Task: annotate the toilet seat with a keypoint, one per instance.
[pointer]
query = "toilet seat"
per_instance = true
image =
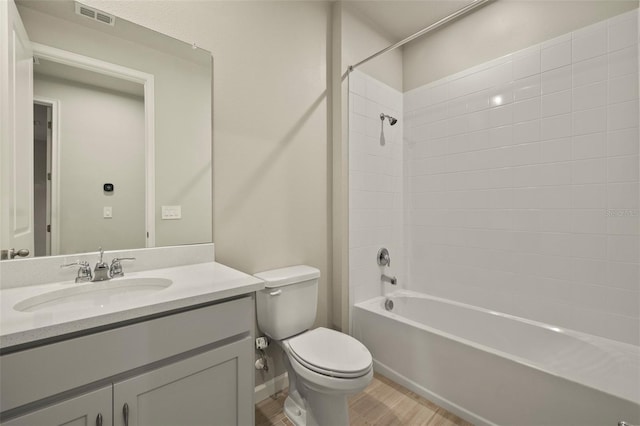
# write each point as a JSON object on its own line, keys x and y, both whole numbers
{"x": 330, "y": 353}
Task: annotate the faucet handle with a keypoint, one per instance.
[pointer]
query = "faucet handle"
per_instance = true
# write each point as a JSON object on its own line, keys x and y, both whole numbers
{"x": 383, "y": 257}
{"x": 116, "y": 267}
{"x": 77, "y": 262}
{"x": 84, "y": 272}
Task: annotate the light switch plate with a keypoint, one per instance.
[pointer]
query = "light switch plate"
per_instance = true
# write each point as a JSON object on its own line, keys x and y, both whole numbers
{"x": 171, "y": 212}
{"x": 107, "y": 212}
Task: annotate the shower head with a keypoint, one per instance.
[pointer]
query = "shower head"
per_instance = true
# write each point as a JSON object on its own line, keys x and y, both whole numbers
{"x": 392, "y": 120}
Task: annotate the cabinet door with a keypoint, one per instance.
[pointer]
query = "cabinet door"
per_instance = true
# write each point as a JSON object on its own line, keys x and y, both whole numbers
{"x": 212, "y": 388}
{"x": 91, "y": 409}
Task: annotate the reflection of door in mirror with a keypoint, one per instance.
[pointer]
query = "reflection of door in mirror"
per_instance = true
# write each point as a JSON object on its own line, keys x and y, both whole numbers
{"x": 16, "y": 171}
{"x": 42, "y": 141}
{"x": 100, "y": 140}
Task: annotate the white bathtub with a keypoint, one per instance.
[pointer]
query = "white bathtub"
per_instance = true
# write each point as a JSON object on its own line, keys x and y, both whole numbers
{"x": 493, "y": 368}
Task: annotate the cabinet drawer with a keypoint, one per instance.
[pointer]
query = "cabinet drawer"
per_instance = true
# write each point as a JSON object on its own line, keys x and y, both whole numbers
{"x": 41, "y": 372}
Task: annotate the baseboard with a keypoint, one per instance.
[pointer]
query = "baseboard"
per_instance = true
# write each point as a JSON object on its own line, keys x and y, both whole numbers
{"x": 431, "y": 396}
{"x": 270, "y": 387}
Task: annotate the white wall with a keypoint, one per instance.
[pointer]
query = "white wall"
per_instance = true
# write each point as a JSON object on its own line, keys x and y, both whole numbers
{"x": 361, "y": 39}
{"x": 376, "y": 217}
{"x": 101, "y": 141}
{"x": 271, "y": 133}
{"x": 523, "y": 182}
{"x": 497, "y": 29}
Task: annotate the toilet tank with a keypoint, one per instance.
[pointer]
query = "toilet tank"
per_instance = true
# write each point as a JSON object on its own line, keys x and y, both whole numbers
{"x": 287, "y": 305}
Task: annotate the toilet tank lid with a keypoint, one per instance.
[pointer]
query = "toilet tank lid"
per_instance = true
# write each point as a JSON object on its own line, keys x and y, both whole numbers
{"x": 289, "y": 275}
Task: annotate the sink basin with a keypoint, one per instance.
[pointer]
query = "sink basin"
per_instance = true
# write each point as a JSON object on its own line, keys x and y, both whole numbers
{"x": 93, "y": 295}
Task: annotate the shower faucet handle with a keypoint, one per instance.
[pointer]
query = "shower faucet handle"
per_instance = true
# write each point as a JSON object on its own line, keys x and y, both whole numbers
{"x": 383, "y": 257}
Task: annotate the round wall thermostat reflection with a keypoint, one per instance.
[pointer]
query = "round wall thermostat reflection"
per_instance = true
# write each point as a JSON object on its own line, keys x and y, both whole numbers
{"x": 108, "y": 187}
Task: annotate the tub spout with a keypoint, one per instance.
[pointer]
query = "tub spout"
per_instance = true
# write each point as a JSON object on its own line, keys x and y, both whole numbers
{"x": 390, "y": 280}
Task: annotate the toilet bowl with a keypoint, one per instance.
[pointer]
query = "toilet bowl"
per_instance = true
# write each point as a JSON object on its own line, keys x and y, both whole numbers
{"x": 324, "y": 366}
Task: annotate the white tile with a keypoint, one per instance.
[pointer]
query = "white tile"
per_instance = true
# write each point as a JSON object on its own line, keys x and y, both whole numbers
{"x": 623, "y": 89}
{"x": 556, "y": 150}
{"x": 622, "y": 62}
{"x": 623, "y": 196}
{"x": 591, "y": 246}
{"x": 456, "y": 107}
{"x": 622, "y": 115}
{"x": 590, "y": 96}
{"x": 526, "y": 65}
{"x": 590, "y": 71}
{"x": 555, "y": 127}
{"x": 592, "y": 221}
{"x": 589, "y": 171}
{"x": 526, "y": 110}
{"x": 501, "y": 136}
{"x": 556, "y": 80}
{"x": 526, "y": 132}
{"x": 555, "y": 104}
{"x": 526, "y": 176}
{"x": 478, "y": 101}
{"x": 589, "y": 271}
{"x": 526, "y": 88}
{"x": 499, "y": 74}
{"x": 623, "y": 248}
{"x": 623, "y": 275}
{"x": 457, "y": 125}
{"x": 592, "y": 196}
{"x": 589, "y": 44}
{"x": 555, "y": 220}
{"x": 500, "y": 95}
{"x": 556, "y": 56}
{"x": 479, "y": 121}
{"x": 626, "y": 223}
{"x": 623, "y": 142}
{"x": 623, "y": 33}
{"x": 555, "y": 174}
{"x": 501, "y": 116}
{"x": 357, "y": 83}
{"x": 589, "y": 121}
{"x": 554, "y": 197}
{"x": 592, "y": 145}
{"x": 623, "y": 169}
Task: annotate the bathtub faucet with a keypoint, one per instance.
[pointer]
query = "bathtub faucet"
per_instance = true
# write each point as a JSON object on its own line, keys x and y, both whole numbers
{"x": 388, "y": 279}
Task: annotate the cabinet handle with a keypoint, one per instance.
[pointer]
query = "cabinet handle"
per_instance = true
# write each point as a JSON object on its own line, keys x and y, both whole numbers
{"x": 99, "y": 420}
{"x": 125, "y": 414}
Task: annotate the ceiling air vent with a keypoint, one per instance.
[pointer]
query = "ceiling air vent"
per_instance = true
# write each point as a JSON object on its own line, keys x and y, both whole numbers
{"x": 94, "y": 14}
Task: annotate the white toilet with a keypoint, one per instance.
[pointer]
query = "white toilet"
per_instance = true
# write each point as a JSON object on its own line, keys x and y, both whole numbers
{"x": 324, "y": 366}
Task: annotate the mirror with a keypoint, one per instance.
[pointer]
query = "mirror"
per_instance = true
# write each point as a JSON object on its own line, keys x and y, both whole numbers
{"x": 129, "y": 148}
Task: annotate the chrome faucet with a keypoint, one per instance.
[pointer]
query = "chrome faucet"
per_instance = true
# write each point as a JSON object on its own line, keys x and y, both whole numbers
{"x": 388, "y": 279}
{"x": 101, "y": 271}
{"x": 384, "y": 259}
{"x": 116, "y": 267}
{"x": 84, "y": 272}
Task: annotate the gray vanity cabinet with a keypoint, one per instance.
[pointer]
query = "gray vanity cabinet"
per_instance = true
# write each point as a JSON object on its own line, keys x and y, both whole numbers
{"x": 93, "y": 408}
{"x": 202, "y": 390}
{"x": 189, "y": 368}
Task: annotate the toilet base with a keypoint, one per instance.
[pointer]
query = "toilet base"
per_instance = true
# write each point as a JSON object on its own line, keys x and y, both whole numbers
{"x": 296, "y": 414}
{"x": 328, "y": 410}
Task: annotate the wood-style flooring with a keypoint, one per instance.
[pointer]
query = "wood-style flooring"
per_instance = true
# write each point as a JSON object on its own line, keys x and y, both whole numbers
{"x": 382, "y": 403}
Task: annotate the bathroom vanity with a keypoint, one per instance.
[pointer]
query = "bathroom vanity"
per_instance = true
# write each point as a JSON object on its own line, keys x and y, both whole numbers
{"x": 180, "y": 355}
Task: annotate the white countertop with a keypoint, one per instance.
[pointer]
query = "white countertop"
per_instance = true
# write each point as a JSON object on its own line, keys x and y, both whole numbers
{"x": 192, "y": 285}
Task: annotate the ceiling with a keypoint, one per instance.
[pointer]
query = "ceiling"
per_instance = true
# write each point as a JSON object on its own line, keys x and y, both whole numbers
{"x": 399, "y": 19}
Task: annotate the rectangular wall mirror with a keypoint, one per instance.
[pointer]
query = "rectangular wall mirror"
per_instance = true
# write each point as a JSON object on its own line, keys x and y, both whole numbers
{"x": 121, "y": 136}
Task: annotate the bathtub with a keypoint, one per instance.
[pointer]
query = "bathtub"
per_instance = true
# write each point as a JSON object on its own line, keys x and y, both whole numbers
{"x": 492, "y": 368}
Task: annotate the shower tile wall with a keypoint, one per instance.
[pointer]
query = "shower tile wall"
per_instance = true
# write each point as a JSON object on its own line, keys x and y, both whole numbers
{"x": 375, "y": 185}
{"x": 523, "y": 182}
